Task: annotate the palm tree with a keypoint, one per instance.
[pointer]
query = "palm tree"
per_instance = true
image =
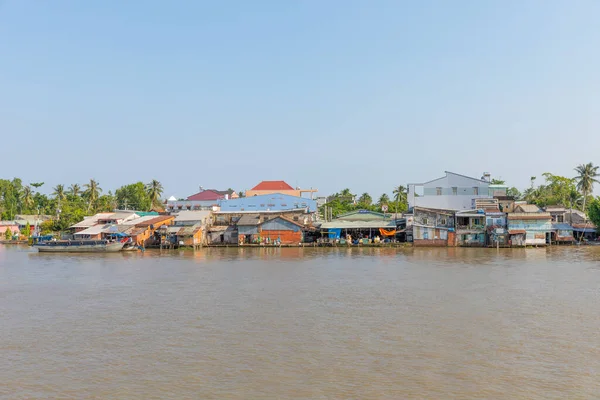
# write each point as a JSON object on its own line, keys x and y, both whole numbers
{"x": 59, "y": 192}
{"x": 74, "y": 189}
{"x": 383, "y": 200}
{"x": 155, "y": 190}
{"x": 92, "y": 192}
{"x": 365, "y": 199}
{"x": 346, "y": 195}
{"x": 27, "y": 197}
{"x": 586, "y": 179}
{"x": 400, "y": 196}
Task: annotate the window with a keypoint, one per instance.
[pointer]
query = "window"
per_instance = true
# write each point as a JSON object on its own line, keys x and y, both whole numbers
{"x": 560, "y": 218}
{"x": 443, "y": 221}
{"x": 476, "y": 191}
{"x": 296, "y": 218}
{"x": 424, "y": 221}
{"x": 438, "y": 191}
{"x": 454, "y": 191}
{"x": 476, "y": 221}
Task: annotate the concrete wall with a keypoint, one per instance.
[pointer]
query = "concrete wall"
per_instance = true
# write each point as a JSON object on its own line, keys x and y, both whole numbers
{"x": 462, "y": 200}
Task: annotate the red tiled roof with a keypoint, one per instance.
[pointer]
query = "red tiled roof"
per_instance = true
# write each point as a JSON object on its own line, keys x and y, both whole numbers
{"x": 517, "y": 232}
{"x": 272, "y": 185}
{"x": 206, "y": 195}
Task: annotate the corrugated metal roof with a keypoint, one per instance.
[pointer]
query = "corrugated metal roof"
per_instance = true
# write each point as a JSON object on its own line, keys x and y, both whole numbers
{"x": 206, "y": 195}
{"x": 94, "y": 230}
{"x": 155, "y": 220}
{"x": 249, "y": 219}
{"x": 185, "y": 216}
{"x": 218, "y": 228}
{"x": 137, "y": 221}
{"x": 528, "y": 208}
{"x": 531, "y": 215}
{"x": 188, "y": 231}
{"x": 357, "y": 224}
{"x": 284, "y": 219}
{"x": 90, "y": 221}
{"x": 561, "y": 226}
{"x": 121, "y": 215}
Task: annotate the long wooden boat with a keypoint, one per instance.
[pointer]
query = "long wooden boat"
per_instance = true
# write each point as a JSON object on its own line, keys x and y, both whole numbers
{"x": 78, "y": 246}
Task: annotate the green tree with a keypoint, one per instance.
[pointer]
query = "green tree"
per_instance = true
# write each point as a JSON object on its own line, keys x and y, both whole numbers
{"x": 155, "y": 190}
{"x": 498, "y": 182}
{"x": 27, "y": 198}
{"x": 74, "y": 190}
{"x": 107, "y": 202}
{"x": 594, "y": 211}
{"x": 8, "y": 234}
{"x": 587, "y": 175}
{"x": 365, "y": 200}
{"x": 59, "y": 193}
{"x": 92, "y": 192}
{"x": 514, "y": 192}
{"x": 27, "y": 230}
{"x": 133, "y": 196}
{"x": 400, "y": 198}
{"x": 383, "y": 200}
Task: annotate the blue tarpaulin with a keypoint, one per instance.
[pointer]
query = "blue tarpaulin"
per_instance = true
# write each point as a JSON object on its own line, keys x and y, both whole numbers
{"x": 334, "y": 233}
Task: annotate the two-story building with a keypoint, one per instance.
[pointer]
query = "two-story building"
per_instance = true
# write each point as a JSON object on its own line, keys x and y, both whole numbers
{"x": 451, "y": 192}
{"x": 433, "y": 227}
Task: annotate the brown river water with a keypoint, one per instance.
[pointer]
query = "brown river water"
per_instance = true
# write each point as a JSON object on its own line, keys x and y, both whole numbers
{"x": 301, "y": 324}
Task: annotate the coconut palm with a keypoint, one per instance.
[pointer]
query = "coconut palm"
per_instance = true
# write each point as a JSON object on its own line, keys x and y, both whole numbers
{"x": 400, "y": 196}
{"x": 365, "y": 199}
{"x": 27, "y": 197}
{"x": 75, "y": 189}
{"x": 383, "y": 199}
{"x": 155, "y": 190}
{"x": 587, "y": 176}
{"x": 59, "y": 192}
{"x": 92, "y": 192}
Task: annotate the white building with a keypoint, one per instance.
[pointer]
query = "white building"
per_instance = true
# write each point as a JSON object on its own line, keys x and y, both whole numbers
{"x": 452, "y": 192}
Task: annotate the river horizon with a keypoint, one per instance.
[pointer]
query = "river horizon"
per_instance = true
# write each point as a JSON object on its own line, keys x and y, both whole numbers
{"x": 301, "y": 323}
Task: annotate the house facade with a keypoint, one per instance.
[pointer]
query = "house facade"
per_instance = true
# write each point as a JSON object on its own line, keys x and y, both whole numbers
{"x": 281, "y": 230}
{"x": 471, "y": 228}
{"x": 529, "y": 228}
{"x": 433, "y": 227}
{"x": 450, "y": 192}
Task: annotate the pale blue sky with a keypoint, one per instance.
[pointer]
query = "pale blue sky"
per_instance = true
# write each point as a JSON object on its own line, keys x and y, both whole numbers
{"x": 328, "y": 94}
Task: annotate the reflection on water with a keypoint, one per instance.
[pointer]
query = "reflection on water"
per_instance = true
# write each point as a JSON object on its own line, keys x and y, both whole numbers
{"x": 301, "y": 323}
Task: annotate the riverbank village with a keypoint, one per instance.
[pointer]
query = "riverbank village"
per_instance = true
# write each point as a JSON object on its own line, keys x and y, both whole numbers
{"x": 453, "y": 210}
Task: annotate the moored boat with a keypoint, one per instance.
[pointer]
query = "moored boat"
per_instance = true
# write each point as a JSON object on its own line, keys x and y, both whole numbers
{"x": 78, "y": 246}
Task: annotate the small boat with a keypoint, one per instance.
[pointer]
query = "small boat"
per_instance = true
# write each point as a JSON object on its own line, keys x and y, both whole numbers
{"x": 78, "y": 246}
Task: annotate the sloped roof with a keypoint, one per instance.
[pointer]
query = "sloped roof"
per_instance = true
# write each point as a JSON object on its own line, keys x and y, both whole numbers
{"x": 94, "y": 230}
{"x": 529, "y": 215}
{"x": 189, "y": 215}
{"x": 272, "y": 185}
{"x": 528, "y": 208}
{"x": 562, "y": 226}
{"x": 155, "y": 220}
{"x": 340, "y": 224}
{"x": 283, "y": 219}
{"x": 249, "y": 219}
{"x": 207, "y": 195}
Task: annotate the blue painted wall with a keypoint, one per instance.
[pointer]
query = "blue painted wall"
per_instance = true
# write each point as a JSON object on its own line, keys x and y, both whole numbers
{"x": 269, "y": 202}
{"x": 279, "y": 224}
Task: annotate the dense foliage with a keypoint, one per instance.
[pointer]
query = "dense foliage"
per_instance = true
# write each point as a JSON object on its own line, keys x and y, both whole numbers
{"x": 69, "y": 206}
